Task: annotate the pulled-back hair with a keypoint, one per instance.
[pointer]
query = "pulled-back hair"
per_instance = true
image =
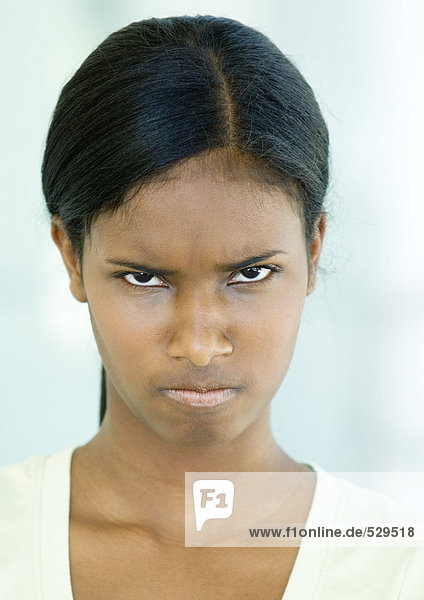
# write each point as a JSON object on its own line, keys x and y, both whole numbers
{"x": 160, "y": 91}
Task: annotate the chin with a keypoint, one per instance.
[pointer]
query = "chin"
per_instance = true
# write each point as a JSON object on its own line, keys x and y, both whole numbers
{"x": 195, "y": 435}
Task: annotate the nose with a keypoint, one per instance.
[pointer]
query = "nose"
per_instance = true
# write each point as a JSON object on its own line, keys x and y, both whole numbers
{"x": 198, "y": 329}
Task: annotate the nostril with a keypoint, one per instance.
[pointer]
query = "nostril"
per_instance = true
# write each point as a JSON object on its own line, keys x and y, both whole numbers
{"x": 199, "y": 348}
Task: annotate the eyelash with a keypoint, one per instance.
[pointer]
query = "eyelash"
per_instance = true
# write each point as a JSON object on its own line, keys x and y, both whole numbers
{"x": 273, "y": 268}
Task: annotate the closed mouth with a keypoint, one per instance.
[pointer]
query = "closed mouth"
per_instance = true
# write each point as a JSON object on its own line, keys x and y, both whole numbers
{"x": 194, "y": 398}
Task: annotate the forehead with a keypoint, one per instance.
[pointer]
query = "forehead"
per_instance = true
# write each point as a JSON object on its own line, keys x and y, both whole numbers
{"x": 198, "y": 209}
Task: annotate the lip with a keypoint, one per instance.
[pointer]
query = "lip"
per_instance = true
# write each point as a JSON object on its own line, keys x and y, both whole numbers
{"x": 210, "y": 398}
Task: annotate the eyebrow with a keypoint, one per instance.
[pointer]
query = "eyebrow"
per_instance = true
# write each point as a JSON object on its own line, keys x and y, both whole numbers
{"x": 221, "y": 268}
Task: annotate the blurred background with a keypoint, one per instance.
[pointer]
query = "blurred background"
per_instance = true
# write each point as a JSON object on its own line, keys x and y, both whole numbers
{"x": 353, "y": 399}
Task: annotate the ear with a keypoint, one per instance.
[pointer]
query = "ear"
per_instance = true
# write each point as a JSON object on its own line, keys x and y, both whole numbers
{"x": 315, "y": 251}
{"x": 62, "y": 241}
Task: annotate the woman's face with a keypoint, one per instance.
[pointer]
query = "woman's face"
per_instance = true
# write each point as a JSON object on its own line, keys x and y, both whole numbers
{"x": 204, "y": 324}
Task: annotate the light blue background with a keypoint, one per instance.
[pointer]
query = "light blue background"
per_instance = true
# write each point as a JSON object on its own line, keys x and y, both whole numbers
{"x": 353, "y": 398}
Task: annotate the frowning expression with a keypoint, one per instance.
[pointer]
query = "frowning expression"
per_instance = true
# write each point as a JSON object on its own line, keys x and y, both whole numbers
{"x": 199, "y": 282}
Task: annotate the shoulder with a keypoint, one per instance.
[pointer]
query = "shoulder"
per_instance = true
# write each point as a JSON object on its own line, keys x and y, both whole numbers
{"x": 27, "y": 488}
{"x": 413, "y": 584}
{"x": 349, "y": 500}
{"x": 20, "y": 489}
{"x": 387, "y": 567}
{"x": 19, "y": 484}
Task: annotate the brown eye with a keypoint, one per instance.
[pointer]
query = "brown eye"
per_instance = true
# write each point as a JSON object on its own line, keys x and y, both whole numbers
{"x": 141, "y": 279}
{"x": 251, "y": 274}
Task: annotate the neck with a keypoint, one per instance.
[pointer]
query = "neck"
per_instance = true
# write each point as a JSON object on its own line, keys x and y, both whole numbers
{"x": 129, "y": 474}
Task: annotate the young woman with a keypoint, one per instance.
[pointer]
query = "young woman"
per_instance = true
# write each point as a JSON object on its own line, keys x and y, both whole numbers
{"x": 185, "y": 171}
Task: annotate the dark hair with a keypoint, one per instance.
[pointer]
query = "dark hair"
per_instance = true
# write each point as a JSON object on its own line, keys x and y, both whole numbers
{"x": 160, "y": 91}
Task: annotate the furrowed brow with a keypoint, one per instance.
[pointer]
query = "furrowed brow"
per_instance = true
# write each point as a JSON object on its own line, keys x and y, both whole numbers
{"x": 249, "y": 261}
{"x": 233, "y": 266}
{"x": 123, "y": 262}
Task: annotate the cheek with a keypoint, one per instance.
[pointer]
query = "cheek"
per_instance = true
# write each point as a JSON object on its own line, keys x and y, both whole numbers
{"x": 124, "y": 330}
{"x": 276, "y": 338}
{"x": 275, "y": 334}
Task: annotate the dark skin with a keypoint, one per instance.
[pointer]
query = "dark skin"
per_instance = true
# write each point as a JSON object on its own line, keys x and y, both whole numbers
{"x": 198, "y": 324}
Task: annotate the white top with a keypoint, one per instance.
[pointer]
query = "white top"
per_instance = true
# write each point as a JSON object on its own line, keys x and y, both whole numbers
{"x": 34, "y": 533}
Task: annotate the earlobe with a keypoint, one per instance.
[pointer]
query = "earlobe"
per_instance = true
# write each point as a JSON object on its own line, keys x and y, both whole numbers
{"x": 315, "y": 250}
{"x": 311, "y": 281}
{"x": 71, "y": 262}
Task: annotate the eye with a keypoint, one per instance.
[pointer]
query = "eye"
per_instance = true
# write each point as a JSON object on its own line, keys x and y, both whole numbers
{"x": 141, "y": 278}
{"x": 250, "y": 273}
